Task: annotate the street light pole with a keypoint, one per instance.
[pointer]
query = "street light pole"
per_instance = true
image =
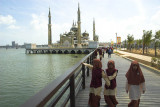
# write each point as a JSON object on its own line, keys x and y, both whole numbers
{"x": 116, "y": 41}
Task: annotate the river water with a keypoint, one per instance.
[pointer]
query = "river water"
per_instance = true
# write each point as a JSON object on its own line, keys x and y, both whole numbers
{"x": 23, "y": 75}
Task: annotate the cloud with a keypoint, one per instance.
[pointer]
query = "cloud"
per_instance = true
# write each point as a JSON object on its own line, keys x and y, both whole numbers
{"x": 13, "y": 27}
{"x": 39, "y": 22}
{"x": 154, "y": 21}
{"x": 139, "y": 6}
{"x": 7, "y": 20}
{"x": 155, "y": 18}
{"x": 106, "y": 28}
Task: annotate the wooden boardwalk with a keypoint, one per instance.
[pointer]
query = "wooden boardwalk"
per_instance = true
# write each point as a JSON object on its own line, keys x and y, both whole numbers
{"x": 150, "y": 99}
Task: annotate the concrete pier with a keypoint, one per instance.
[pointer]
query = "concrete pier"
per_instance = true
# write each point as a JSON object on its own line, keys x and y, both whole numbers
{"x": 59, "y": 50}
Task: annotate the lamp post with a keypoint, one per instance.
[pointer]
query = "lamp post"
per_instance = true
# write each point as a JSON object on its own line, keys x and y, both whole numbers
{"x": 116, "y": 42}
{"x": 111, "y": 43}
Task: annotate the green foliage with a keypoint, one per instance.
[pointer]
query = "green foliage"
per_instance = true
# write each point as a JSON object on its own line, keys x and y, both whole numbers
{"x": 130, "y": 40}
{"x": 125, "y": 43}
{"x": 153, "y": 61}
{"x": 158, "y": 63}
{"x": 140, "y": 41}
{"x": 157, "y": 36}
{"x": 147, "y": 35}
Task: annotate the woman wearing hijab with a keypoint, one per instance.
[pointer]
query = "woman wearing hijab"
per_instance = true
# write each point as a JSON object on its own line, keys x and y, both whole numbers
{"x": 135, "y": 84}
{"x": 110, "y": 91}
{"x": 96, "y": 82}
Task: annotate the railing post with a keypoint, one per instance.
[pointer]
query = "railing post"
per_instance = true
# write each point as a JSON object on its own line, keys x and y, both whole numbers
{"x": 91, "y": 59}
{"x": 83, "y": 76}
{"x": 93, "y": 55}
{"x": 72, "y": 91}
{"x": 87, "y": 67}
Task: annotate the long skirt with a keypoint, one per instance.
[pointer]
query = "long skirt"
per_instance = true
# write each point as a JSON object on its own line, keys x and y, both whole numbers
{"x": 134, "y": 103}
{"x": 94, "y": 100}
{"x": 110, "y": 100}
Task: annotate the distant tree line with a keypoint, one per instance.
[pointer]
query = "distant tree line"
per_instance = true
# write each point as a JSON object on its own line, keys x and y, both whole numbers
{"x": 143, "y": 43}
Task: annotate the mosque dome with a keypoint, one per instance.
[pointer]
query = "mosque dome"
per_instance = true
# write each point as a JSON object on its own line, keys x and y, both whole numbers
{"x": 71, "y": 33}
{"x": 85, "y": 34}
{"x": 74, "y": 29}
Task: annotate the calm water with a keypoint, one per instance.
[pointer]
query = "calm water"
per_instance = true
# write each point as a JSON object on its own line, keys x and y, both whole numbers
{"x": 22, "y": 75}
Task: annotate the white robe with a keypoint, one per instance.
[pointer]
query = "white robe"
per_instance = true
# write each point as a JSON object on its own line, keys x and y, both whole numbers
{"x": 135, "y": 90}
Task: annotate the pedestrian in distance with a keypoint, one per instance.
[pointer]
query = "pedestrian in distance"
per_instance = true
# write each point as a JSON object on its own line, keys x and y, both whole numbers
{"x": 112, "y": 49}
{"x": 135, "y": 84}
{"x": 96, "y": 82}
{"x": 100, "y": 54}
{"x": 110, "y": 91}
{"x": 109, "y": 52}
{"x": 103, "y": 52}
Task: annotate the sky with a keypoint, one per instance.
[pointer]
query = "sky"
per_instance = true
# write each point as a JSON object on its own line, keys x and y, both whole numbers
{"x": 26, "y": 21}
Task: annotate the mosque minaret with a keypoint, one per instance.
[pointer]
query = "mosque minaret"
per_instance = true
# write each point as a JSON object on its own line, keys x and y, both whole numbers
{"x": 94, "y": 30}
{"x": 95, "y": 37}
{"x": 79, "y": 29}
{"x": 49, "y": 30}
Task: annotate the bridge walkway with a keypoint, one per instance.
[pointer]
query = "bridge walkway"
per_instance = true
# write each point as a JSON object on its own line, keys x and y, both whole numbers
{"x": 151, "y": 98}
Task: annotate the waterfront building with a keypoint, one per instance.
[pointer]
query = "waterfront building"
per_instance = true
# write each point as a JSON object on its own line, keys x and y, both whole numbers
{"x": 74, "y": 38}
{"x": 104, "y": 44}
{"x": 13, "y": 44}
{"x": 30, "y": 46}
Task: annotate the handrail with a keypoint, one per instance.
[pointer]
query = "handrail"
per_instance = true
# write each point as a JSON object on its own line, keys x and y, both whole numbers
{"x": 42, "y": 97}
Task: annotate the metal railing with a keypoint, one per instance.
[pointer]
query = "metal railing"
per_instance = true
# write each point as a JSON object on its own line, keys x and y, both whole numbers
{"x": 73, "y": 80}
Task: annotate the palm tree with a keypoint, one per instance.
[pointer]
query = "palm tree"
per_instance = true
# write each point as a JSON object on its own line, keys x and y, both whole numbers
{"x": 157, "y": 36}
{"x": 147, "y": 35}
{"x": 130, "y": 40}
{"x": 148, "y": 38}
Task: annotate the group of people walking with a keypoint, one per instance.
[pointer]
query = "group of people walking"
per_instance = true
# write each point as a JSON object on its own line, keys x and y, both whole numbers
{"x": 102, "y": 51}
{"x": 135, "y": 83}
